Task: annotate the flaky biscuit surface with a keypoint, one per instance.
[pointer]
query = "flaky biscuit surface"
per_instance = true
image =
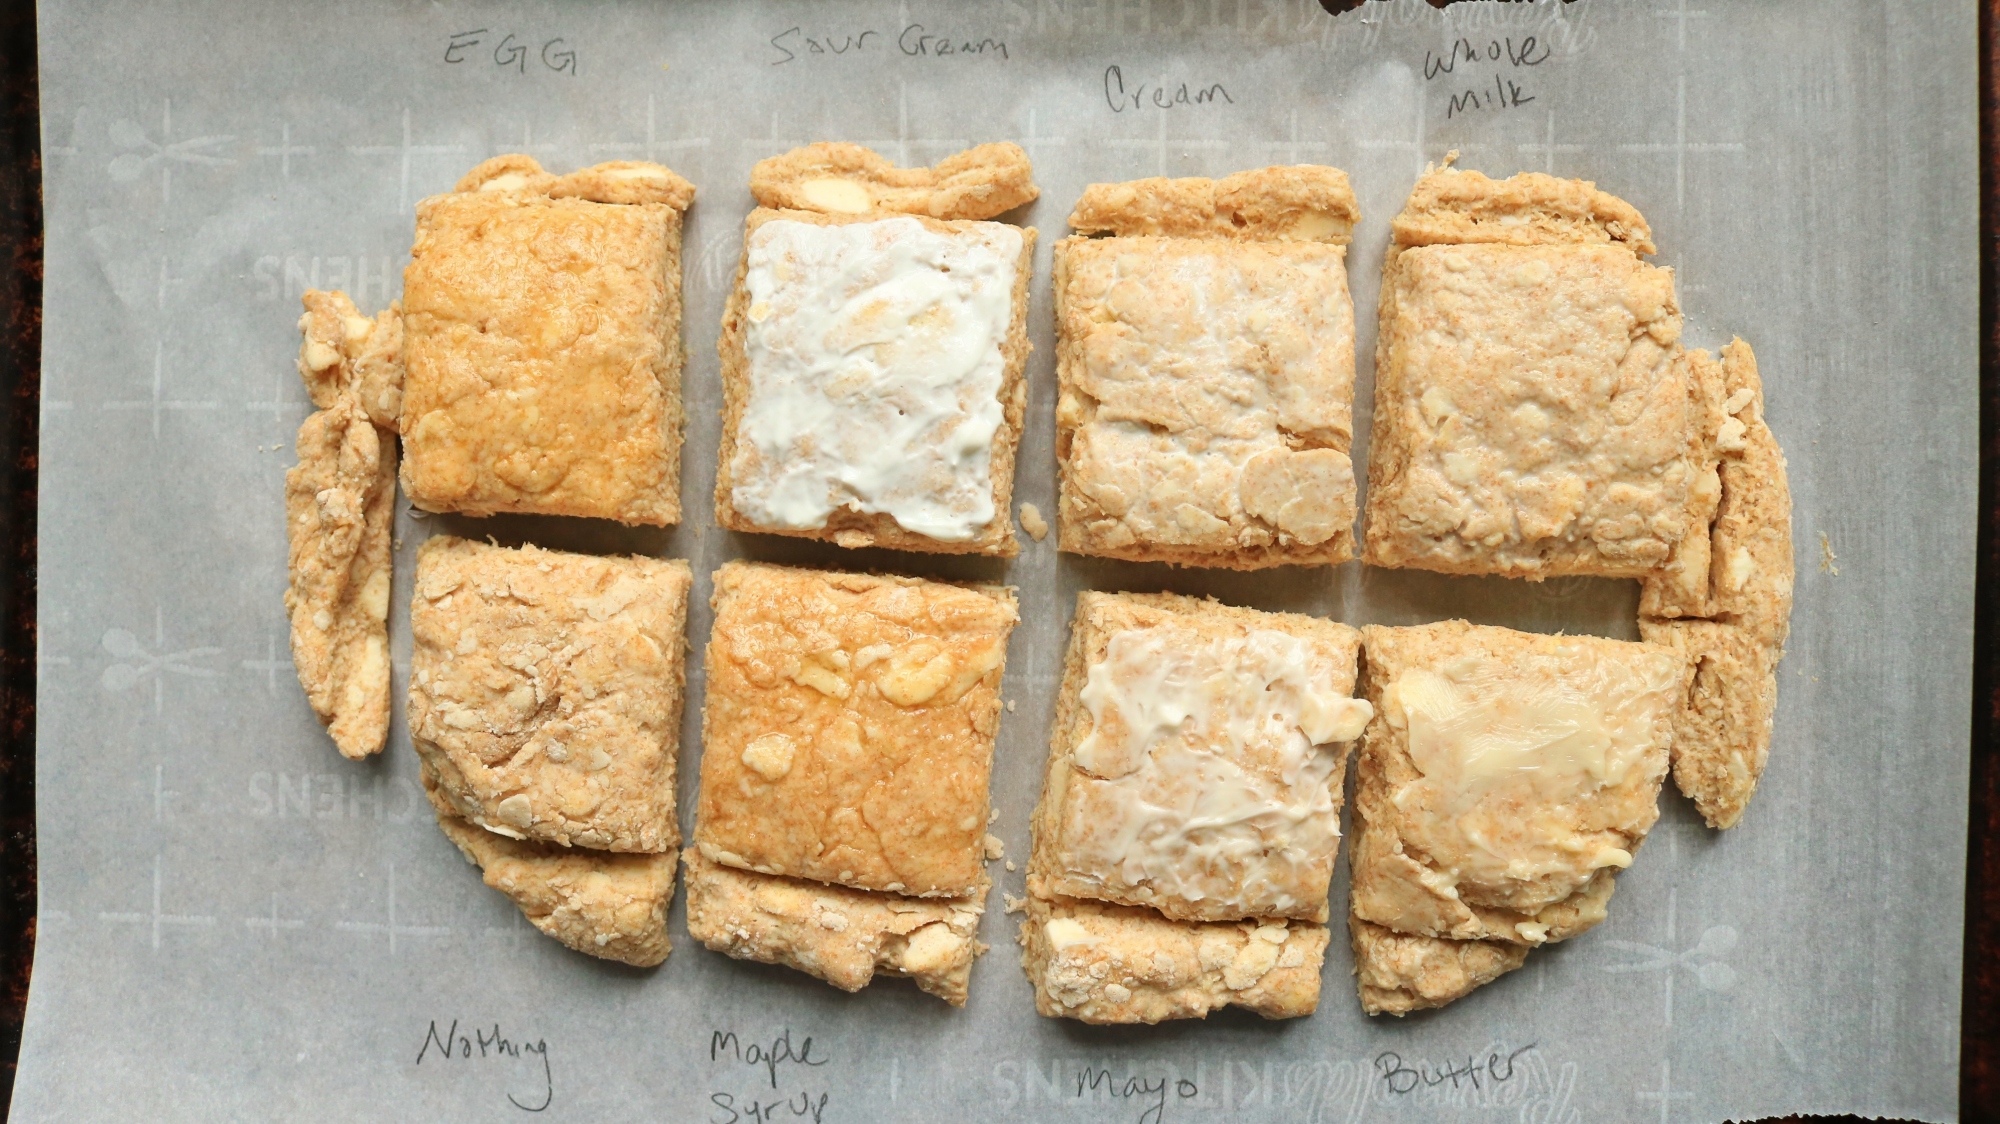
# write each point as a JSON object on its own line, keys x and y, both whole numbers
{"x": 848, "y": 727}
{"x": 545, "y": 691}
{"x": 542, "y": 345}
{"x": 1101, "y": 963}
{"x": 841, "y": 935}
{"x": 612, "y": 906}
{"x": 1397, "y": 973}
{"x": 339, "y": 506}
{"x": 1205, "y": 411}
{"x": 1533, "y": 414}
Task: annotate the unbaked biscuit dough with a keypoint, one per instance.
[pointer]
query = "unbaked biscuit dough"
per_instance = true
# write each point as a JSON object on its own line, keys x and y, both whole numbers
{"x": 1205, "y": 359}
{"x": 545, "y": 691}
{"x": 1198, "y": 758}
{"x": 607, "y": 905}
{"x": 339, "y": 504}
{"x": 848, "y": 727}
{"x": 1535, "y": 414}
{"x": 840, "y": 935}
{"x": 1102, "y": 963}
{"x": 1732, "y": 624}
{"x": 873, "y": 351}
{"x": 541, "y": 319}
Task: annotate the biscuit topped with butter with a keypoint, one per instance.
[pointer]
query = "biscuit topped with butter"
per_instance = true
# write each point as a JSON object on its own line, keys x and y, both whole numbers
{"x": 1505, "y": 779}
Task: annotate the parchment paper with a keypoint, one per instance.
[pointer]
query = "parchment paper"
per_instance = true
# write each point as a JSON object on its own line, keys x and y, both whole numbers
{"x": 236, "y": 924}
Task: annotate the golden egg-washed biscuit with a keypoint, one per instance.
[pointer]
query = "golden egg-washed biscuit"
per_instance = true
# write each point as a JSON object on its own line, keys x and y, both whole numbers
{"x": 343, "y": 351}
{"x": 1102, "y": 963}
{"x": 1397, "y": 973}
{"x": 1198, "y": 758}
{"x": 542, "y": 343}
{"x": 841, "y": 935}
{"x": 603, "y": 904}
{"x": 339, "y": 504}
{"x": 1731, "y": 615}
{"x": 1505, "y": 777}
{"x": 1206, "y": 377}
{"x": 545, "y": 691}
{"x": 846, "y": 179}
{"x": 1535, "y": 414}
{"x": 848, "y": 727}
{"x": 1300, "y": 202}
{"x": 854, "y": 418}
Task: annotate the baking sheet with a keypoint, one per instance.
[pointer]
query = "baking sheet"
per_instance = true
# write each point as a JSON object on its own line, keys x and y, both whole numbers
{"x": 237, "y": 924}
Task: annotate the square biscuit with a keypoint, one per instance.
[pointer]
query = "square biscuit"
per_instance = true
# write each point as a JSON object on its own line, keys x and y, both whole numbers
{"x": 1197, "y": 760}
{"x": 546, "y": 688}
{"x": 1505, "y": 778}
{"x": 1205, "y": 362}
{"x": 840, "y": 935}
{"x": 1397, "y": 973}
{"x": 872, "y": 374}
{"x": 1731, "y": 616}
{"x": 340, "y": 502}
{"x": 1101, "y": 963}
{"x": 612, "y": 906}
{"x": 542, "y": 344}
{"x": 848, "y": 727}
{"x": 1535, "y": 415}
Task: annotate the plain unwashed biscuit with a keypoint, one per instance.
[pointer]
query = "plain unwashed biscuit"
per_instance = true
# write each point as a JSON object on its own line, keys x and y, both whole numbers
{"x": 607, "y": 905}
{"x": 339, "y": 503}
{"x": 1732, "y": 624}
{"x": 1103, "y": 963}
{"x": 341, "y": 351}
{"x": 1506, "y": 776}
{"x": 1397, "y": 973}
{"x": 848, "y": 727}
{"x": 847, "y": 179}
{"x": 542, "y": 343}
{"x": 841, "y": 935}
{"x": 846, "y": 524}
{"x": 1205, "y": 362}
{"x": 546, "y": 688}
{"x": 1535, "y": 414}
{"x": 1198, "y": 820}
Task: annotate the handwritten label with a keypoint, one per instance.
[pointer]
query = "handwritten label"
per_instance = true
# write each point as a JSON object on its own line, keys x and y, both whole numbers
{"x": 1149, "y": 1094}
{"x": 795, "y": 44}
{"x": 766, "y": 1063}
{"x": 1400, "y": 1078}
{"x": 1507, "y": 56}
{"x": 511, "y": 51}
{"x": 1140, "y": 95}
{"x": 453, "y": 1047}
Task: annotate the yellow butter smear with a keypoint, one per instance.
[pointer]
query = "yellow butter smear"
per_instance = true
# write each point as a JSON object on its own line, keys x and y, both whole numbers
{"x": 1207, "y": 772}
{"x": 1521, "y": 764}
